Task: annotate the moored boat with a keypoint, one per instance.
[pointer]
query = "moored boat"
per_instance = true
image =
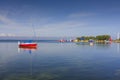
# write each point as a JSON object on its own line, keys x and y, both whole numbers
{"x": 62, "y": 40}
{"x": 28, "y": 47}
{"x": 27, "y": 44}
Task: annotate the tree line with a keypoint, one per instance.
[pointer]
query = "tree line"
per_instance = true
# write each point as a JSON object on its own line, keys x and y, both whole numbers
{"x": 99, "y": 37}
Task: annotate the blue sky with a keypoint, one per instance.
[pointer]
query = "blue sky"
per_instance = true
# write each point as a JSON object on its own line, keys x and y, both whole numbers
{"x": 59, "y": 17}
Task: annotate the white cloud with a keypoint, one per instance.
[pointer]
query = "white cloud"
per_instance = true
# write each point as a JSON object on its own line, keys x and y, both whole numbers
{"x": 8, "y": 23}
{"x": 62, "y": 28}
{"x": 64, "y": 24}
{"x": 11, "y": 27}
{"x": 2, "y": 34}
{"x": 8, "y": 34}
{"x": 59, "y": 29}
{"x": 6, "y": 20}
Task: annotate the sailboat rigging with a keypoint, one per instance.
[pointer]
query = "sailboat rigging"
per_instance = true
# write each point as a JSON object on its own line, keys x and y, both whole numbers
{"x": 29, "y": 43}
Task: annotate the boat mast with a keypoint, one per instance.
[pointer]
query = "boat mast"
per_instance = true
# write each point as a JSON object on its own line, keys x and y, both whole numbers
{"x": 34, "y": 30}
{"x": 118, "y": 35}
{"x": 34, "y": 33}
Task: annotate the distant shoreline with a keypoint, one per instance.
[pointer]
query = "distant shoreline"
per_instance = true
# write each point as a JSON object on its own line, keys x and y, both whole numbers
{"x": 25, "y": 40}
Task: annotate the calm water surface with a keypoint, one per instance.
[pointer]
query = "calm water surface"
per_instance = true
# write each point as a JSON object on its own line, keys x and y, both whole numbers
{"x": 60, "y": 61}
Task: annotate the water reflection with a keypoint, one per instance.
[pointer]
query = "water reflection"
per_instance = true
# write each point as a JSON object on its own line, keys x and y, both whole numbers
{"x": 82, "y": 43}
{"x": 118, "y": 47}
{"x": 92, "y": 44}
{"x": 102, "y": 45}
{"x": 61, "y": 62}
{"x": 29, "y": 49}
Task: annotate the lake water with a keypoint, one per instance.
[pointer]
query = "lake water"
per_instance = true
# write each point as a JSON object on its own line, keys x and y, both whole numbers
{"x": 60, "y": 61}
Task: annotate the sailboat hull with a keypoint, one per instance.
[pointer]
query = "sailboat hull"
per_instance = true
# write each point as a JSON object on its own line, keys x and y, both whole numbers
{"x": 30, "y": 45}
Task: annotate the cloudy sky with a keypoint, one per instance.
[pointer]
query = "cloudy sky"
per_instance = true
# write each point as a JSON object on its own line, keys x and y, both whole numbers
{"x": 59, "y": 17}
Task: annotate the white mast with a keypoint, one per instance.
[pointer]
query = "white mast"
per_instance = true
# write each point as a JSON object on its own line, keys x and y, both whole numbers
{"x": 118, "y": 35}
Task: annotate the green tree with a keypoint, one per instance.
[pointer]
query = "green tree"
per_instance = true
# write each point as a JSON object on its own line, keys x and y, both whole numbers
{"x": 103, "y": 37}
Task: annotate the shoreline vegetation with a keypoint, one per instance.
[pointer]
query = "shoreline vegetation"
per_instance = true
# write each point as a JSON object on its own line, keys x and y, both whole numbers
{"x": 96, "y": 39}
{"x": 99, "y": 38}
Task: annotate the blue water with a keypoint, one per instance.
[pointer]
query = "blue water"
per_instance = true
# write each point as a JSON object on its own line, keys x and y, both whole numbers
{"x": 60, "y": 61}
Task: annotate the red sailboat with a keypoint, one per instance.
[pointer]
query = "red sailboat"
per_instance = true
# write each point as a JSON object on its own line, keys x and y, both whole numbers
{"x": 29, "y": 43}
{"x": 28, "y": 47}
